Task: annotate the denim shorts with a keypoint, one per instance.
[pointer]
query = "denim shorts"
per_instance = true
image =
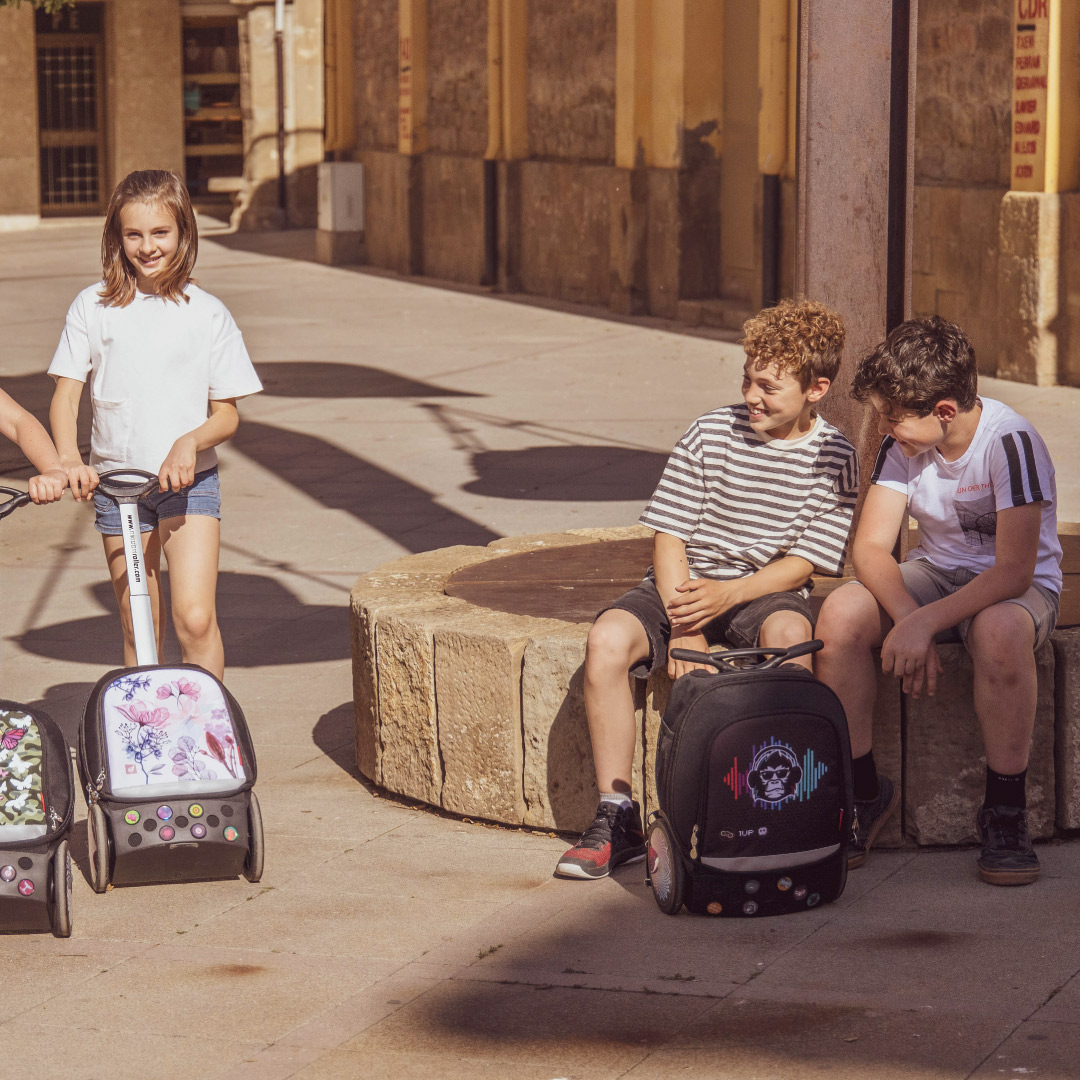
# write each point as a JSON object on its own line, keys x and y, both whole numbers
{"x": 737, "y": 628}
{"x": 202, "y": 498}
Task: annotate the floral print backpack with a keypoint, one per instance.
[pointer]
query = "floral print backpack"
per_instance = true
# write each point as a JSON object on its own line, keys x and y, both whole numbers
{"x": 37, "y": 802}
{"x": 168, "y": 765}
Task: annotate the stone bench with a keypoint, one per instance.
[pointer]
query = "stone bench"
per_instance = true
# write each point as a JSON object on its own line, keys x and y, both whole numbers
{"x": 467, "y": 679}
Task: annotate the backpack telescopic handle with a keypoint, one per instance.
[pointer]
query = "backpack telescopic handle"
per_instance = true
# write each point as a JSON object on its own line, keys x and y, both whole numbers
{"x": 14, "y": 500}
{"x": 767, "y": 658}
{"x": 126, "y": 487}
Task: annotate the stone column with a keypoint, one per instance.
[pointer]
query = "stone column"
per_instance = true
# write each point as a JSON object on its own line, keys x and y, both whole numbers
{"x": 20, "y": 180}
{"x": 854, "y": 132}
{"x": 1034, "y": 341}
{"x": 145, "y": 111}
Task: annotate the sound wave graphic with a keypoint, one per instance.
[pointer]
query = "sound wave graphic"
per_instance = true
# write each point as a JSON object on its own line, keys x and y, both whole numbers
{"x": 812, "y": 772}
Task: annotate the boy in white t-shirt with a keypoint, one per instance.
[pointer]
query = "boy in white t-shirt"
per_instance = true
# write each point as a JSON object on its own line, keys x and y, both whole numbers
{"x": 979, "y": 481}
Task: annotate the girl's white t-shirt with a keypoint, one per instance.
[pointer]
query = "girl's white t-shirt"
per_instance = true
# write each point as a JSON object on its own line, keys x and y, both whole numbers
{"x": 154, "y": 366}
{"x": 956, "y": 503}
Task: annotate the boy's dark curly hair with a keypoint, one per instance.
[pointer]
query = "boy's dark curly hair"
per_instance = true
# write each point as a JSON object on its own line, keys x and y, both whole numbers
{"x": 801, "y": 337}
{"x": 921, "y": 362}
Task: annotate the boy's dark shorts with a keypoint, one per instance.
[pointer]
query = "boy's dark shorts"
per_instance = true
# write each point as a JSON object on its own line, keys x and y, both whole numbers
{"x": 737, "y": 628}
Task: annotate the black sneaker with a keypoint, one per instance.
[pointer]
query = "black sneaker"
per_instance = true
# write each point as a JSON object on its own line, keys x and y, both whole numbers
{"x": 1007, "y": 857}
{"x": 614, "y": 837}
{"x": 870, "y": 815}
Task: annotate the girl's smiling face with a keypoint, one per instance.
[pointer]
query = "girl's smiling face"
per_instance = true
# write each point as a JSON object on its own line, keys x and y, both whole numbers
{"x": 150, "y": 237}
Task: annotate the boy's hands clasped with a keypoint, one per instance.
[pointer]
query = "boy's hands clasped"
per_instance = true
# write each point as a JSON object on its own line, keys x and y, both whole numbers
{"x": 909, "y": 653}
{"x": 701, "y": 600}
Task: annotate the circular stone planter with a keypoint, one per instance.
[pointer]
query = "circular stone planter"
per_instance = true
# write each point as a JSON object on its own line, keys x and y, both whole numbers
{"x": 467, "y": 676}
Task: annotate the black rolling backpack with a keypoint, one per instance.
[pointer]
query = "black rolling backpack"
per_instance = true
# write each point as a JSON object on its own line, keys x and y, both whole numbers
{"x": 753, "y": 779}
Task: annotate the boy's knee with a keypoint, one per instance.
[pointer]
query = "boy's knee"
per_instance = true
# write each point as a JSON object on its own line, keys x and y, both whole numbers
{"x": 609, "y": 644}
{"x": 848, "y": 616}
{"x": 782, "y": 629}
{"x": 1002, "y": 637}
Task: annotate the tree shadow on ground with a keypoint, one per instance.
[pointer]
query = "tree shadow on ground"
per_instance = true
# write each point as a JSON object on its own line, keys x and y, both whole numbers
{"x": 320, "y": 379}
{"x": 400, "y": 510}
{"x": 262, "y": 622}
{"x": 567, "y": 473}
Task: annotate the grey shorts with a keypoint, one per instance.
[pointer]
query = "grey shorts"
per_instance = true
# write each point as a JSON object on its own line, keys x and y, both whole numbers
{"x": 737, "y": 628}
{"x": 202, "y": 498}
{"x": 927, "y": 583}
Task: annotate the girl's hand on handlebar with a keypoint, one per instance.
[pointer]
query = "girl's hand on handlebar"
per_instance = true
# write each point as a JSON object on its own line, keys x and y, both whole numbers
{"x": 178, "y": 469}
{"x": 48, "y": 487}
{"x": 82, "y": 479}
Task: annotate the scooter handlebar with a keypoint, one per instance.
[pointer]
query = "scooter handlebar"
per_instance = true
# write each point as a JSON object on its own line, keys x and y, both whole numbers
{"x": 127, "y": 484}
{"x": 14, "y": 499}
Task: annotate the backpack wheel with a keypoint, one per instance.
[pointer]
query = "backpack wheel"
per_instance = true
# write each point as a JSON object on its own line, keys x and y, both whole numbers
{"x": 100, "y": 845}
{"x": 253, "y": 863}
{"x": 666, "y": 871}
{"x": 60, "y": 890}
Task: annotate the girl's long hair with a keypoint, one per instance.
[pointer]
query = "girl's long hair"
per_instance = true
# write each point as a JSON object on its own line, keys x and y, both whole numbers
{"x": 159, "y": 188}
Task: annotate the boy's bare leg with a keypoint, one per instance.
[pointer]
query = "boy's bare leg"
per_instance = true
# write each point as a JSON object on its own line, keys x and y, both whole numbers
{"x": 852, "y": 625}
{"x": 617, "y": 640}
{"x": 1001, "y": 641}
{"x": 782, "y": 629}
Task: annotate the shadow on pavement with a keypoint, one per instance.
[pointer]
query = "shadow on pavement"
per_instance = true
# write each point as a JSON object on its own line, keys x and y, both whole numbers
{"x": 318, "y": 379}
{"x": 263, "y": 624}
{"x": 567, "y": 473}
{"x": 398, "y": 509}
{"x": 34, "y": 393}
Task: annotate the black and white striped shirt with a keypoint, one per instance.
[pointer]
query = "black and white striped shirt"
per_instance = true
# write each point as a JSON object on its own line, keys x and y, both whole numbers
{"x": 740, "y": 502}
{"x": 956, "y": 503}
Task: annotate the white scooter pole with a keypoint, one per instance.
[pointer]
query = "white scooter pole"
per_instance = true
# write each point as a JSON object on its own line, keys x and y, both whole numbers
{"x": 142, "y": 612}
{"x": 126, "y": 487}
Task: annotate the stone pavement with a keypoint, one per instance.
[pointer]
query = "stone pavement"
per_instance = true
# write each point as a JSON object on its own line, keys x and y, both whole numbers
{"x": 385, "y": 940}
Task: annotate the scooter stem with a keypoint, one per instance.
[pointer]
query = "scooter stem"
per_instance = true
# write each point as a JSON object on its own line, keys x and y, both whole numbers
{"x": 142, "y": 612}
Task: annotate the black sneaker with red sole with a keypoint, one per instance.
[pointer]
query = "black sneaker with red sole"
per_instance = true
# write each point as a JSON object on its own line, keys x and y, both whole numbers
{"x": 614, "y": 837}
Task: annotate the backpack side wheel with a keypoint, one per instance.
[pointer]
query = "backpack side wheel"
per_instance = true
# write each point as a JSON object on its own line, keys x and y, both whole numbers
{"x": 253, "y": 863}
{"x": 666, "y": 872}
{"x": 60, "y": 890}
{"x": 100, "y": 845}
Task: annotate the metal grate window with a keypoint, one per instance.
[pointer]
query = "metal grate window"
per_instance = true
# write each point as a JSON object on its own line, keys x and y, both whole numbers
{"x": 70, "y": 114}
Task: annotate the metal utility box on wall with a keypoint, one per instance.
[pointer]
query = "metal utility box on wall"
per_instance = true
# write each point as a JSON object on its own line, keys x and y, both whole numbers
{"x": 340, "y": 233}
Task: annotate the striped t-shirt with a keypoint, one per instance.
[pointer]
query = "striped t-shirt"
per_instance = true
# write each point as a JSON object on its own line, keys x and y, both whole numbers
{"x": 740, "y": 502}
{"x": 956, "y": 503}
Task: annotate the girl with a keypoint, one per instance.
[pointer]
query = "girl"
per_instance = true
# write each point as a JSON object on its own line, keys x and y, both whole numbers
{"x": 166, "y": 364}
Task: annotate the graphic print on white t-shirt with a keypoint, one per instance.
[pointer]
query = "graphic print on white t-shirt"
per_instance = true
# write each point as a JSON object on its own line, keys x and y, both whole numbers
{"x": 956, "y": 503}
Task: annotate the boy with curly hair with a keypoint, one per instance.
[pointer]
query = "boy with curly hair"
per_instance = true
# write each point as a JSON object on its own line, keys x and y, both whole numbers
{"x": 754, "y": 498}
{"x": 979, "y": 481}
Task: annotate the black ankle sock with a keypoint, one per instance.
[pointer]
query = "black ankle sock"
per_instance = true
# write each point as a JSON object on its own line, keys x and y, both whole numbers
{"x": 865, "y": 773}
{"x": 1006, "y": 790}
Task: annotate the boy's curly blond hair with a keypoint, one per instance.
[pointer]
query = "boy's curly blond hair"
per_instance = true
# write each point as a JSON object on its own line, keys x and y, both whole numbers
{"x": 801, "y": 337}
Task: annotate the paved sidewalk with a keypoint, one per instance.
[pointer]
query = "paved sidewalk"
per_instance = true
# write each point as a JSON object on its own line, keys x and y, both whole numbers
{"x": 386, "y": 941}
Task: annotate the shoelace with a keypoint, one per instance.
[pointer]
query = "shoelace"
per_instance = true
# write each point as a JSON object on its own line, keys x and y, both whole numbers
{"x": 599, "y": 832}
{"x": 1006, "y": 831}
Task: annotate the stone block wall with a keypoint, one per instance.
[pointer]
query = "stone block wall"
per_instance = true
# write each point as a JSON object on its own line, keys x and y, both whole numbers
{"x": 963, "y": 92}
{"x": 482, "y": 712}
{"x": 571, "y": 82}
{"x": 457, "y": 76}
{"x": 376, "y": 85}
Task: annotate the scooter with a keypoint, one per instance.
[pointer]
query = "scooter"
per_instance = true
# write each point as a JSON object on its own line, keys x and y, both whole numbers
{"x": 37, "y": 806}
{"x": 165, "y": 755}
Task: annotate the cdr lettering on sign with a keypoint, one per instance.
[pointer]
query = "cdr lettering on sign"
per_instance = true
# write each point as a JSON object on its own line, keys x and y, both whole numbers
{"x": 1028, "y": 105}
{"x": 1032, "y": 9}
{"x": 1032, "y": 61}
{"x": 1024, "y": 172}
{"x": 1030, "y": 82}
{"x": 1026, "y": 127}
{"x": 1027, "y": 147}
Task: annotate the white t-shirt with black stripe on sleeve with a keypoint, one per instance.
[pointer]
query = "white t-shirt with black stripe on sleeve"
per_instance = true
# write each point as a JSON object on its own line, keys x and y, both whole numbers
{"x": 956, "y": 503}
{"x": 740, "y": 501}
